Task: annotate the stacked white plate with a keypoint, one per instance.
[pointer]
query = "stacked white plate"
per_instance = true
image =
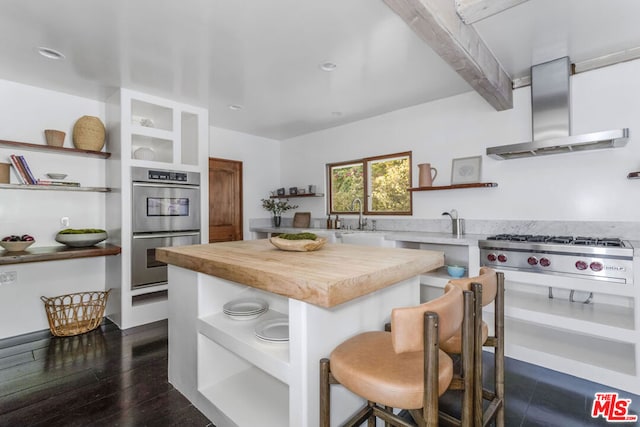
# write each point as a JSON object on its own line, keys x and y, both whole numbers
{"x": 245, "y": 308}
{"x": 273, "y": 330}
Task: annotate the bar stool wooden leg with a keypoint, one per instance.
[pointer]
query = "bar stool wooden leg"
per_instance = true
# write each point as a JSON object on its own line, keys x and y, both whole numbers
{"x": 390, "y": 410}
{"x": 499, "y": 350}
{"x": 478, "y": 410}
{"x": 325, "y": 394}
{"x": 431, "y": 356}
{"x": 371, "y": 422}
{"x": 469, "y": 337}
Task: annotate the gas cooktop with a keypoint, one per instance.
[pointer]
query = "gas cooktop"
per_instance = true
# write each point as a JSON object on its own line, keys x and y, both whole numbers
{"x": 579, "y": 244}
{"x": 608, "y": 258}
{"x": 565, "y": 240}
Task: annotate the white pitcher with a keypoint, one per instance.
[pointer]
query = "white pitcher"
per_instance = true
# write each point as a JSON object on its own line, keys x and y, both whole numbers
{"x": 427, "y": 174}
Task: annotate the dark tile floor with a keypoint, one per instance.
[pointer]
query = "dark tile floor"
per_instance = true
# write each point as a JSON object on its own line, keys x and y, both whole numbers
{"x": 537, "y": 397}
{"x": 110, "y": 377}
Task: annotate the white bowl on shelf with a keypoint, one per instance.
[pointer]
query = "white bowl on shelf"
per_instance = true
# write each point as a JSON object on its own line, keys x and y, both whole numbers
{"x": 144, "y": 153}
{"x": 56, "y": 175}
{"x": 80, "y": 240}
{"x": 18, "y": 246}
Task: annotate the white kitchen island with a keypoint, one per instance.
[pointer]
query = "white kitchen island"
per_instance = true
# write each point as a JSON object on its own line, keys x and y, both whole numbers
{"x": 236, "y": 379}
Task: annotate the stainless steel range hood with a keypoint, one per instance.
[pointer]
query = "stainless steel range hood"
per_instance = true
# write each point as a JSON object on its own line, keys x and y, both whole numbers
{"x": 551, "y": 118}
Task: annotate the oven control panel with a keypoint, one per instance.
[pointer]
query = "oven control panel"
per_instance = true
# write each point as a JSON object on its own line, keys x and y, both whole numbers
{"x": 164, "y": 176}
{"x": 159, "y": 175}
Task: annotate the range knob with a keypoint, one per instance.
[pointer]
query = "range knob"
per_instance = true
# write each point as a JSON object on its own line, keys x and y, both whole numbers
{"x": 545, "y": 262}
{"x": 596, "y": 266}
{"x": 581, "y": 265}
{"x": 492, "y": 257}
{"x": 502, "y": 258}
{"x": 532, "y": 260}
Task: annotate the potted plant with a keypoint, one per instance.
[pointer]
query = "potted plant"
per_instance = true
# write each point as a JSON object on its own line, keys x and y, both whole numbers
{"x": 276, "y": 207}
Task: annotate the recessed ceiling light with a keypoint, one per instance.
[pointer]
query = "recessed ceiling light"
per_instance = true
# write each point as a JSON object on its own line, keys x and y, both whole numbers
{"x": 328, "y": 66}
{"x": 47, "y": 52}
{"x": 235, "y": 107}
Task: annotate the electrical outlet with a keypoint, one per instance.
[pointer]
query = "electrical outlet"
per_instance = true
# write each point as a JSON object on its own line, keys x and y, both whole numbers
{"x": 8, "y": 277}
{"x": 64, "y": 221}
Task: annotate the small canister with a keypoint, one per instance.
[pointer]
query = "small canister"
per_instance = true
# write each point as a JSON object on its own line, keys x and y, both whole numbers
{"x": 457, "y": 226}
{"x": 5, "y": 170}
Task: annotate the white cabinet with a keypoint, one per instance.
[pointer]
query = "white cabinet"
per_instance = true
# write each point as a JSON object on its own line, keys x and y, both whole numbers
{"x": 162, "y": 133}
{"x": 153, "y": 132}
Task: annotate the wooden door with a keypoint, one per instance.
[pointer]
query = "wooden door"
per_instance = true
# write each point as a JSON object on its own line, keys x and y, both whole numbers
{"x": 225, "y": 200}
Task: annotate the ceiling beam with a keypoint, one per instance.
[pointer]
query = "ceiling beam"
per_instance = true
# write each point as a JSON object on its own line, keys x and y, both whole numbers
{"x": 474, "y": 10}
{"x": 437, "y": 23}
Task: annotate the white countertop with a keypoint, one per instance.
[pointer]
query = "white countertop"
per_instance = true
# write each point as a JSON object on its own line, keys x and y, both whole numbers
{"x": 404, "y": 236}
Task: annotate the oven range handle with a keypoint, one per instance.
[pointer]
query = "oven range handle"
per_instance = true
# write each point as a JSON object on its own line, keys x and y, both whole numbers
{"x": 156, "y": 235}
{"x": 166, "y": 185}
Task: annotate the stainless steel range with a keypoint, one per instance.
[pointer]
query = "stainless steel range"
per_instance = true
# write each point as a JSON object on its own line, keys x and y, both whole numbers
{"x": 605, "y": 259}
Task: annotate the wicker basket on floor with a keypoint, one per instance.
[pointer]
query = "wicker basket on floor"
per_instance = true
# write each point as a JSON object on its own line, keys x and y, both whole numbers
{"x": 74, "y": 314}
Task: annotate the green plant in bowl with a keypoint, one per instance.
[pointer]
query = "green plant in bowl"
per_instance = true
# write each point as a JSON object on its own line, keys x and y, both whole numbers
{"x": 81, "y": 237}
{"x": 81, "y": 231}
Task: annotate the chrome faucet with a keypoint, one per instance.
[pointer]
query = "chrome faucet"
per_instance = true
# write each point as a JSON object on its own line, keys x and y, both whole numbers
{"x": 361, "y": 222}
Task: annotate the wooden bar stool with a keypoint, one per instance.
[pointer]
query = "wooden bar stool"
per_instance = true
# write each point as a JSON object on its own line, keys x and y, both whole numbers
{"x": 487, "y": 287}
{"x": 404, "y": 368}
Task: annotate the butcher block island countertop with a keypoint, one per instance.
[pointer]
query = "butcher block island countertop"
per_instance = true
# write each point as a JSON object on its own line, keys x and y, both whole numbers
{"x": 330, "y": 276}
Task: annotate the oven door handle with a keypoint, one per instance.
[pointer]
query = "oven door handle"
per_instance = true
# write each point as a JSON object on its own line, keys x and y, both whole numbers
{"x": 156, "y": 235}
{"x": 166, "y": 185}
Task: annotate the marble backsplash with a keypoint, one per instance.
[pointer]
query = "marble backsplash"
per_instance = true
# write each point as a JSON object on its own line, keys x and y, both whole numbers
{"x": 623, "y": 230}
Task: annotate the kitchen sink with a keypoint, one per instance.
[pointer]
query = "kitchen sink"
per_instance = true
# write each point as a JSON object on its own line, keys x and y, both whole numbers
{"x": 365, "y": 238}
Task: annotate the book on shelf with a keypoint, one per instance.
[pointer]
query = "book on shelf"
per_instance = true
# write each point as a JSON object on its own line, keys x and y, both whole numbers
{"x": 30, "y": 177}
{"x": 58, "y": 183}
{"x": 20, "y": 173}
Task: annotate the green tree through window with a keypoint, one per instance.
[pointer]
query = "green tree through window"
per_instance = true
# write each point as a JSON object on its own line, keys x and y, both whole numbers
{"x": 385, "y": 179}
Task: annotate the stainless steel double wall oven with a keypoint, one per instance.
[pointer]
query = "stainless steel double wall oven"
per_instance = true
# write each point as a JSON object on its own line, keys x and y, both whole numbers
{"x": 166, "y": 212}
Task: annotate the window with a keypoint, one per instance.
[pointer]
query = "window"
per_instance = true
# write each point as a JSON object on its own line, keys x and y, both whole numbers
{"x": 384, "y": 179}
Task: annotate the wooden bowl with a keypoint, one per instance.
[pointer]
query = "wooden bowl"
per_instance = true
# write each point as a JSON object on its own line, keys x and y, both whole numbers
{"x": 304, "y": 245}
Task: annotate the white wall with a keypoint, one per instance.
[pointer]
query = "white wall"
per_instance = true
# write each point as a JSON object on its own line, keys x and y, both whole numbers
{"x": 25, "y": 112}
{"x": 582, "y": 186}
{"x": 260, "y": 159}
{"x": 578, "y": 186}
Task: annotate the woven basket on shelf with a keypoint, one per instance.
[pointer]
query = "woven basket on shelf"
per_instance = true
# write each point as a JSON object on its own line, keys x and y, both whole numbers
{"x": 74, "y": 314}
{"x": 89, "y": 133}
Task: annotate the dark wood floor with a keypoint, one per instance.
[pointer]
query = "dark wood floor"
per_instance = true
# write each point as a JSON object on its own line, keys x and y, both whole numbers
{"x": 110, "y": 377}
{"x": 106, "y": 377}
